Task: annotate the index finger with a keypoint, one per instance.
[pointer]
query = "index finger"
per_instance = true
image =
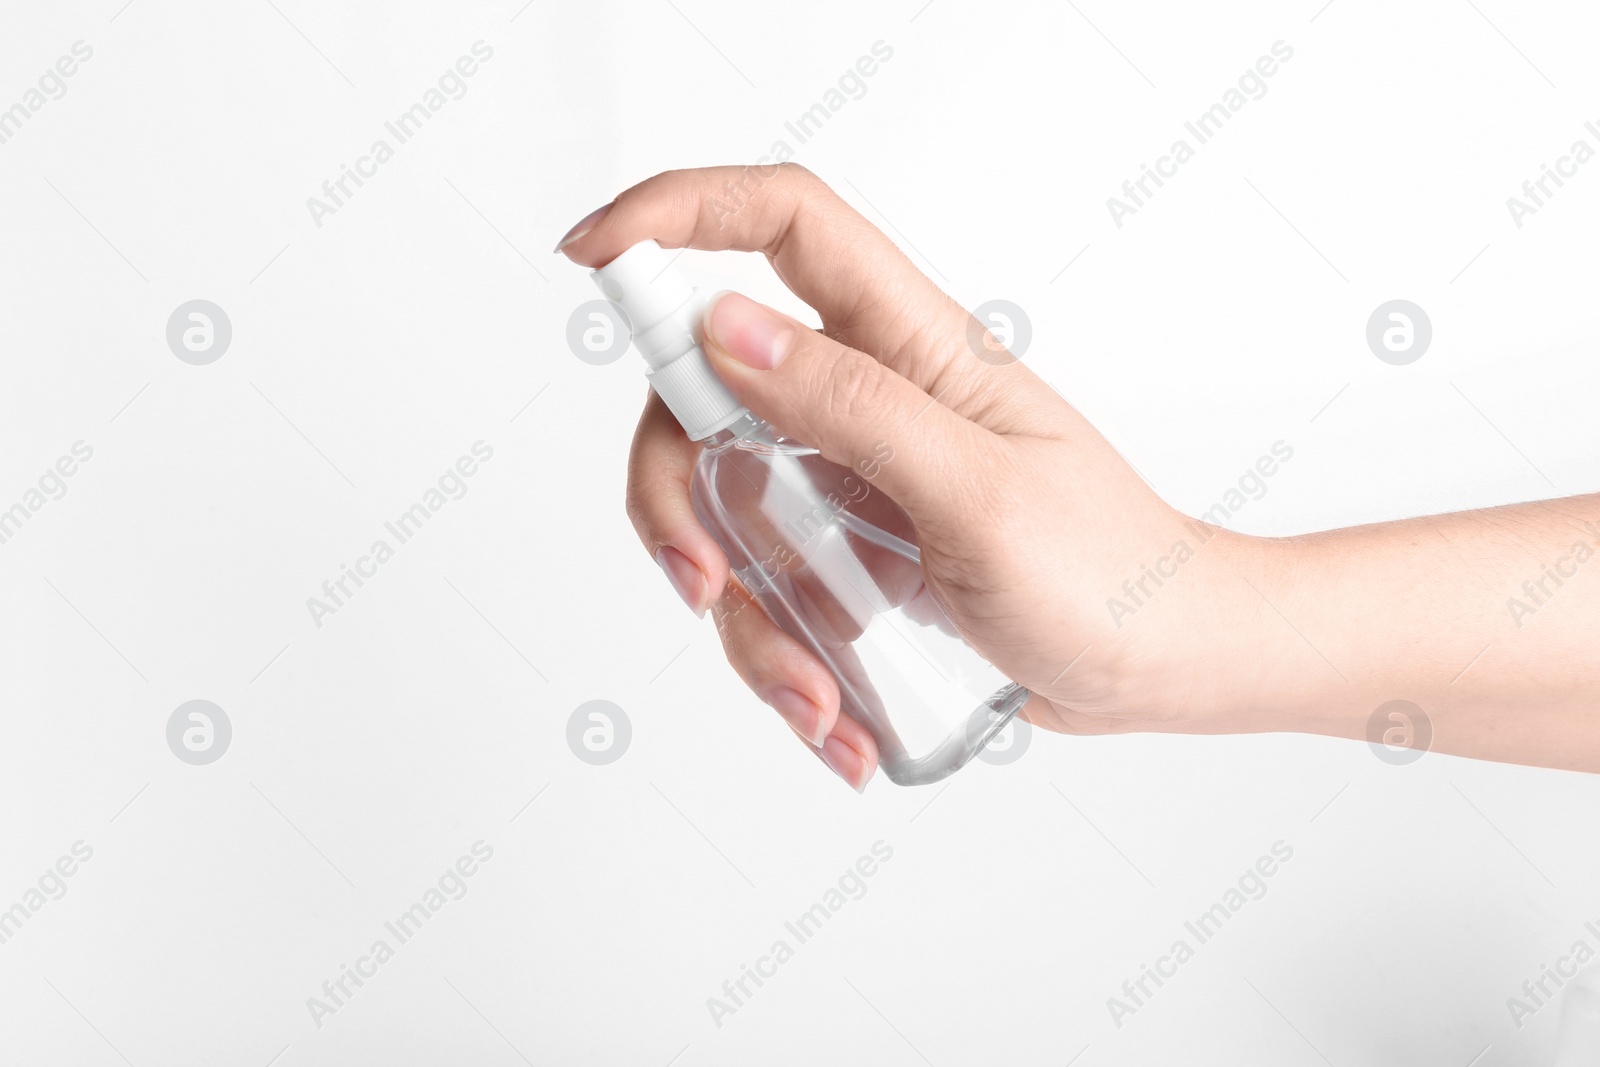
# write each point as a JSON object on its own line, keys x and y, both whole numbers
{"x": 868, "y": 293}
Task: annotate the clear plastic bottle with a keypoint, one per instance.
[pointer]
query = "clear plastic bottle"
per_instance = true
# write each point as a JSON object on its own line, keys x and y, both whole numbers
{"x": 831, "y": 560}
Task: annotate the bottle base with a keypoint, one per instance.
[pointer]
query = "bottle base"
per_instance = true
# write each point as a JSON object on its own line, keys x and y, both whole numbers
{"x": 986, "y": 720}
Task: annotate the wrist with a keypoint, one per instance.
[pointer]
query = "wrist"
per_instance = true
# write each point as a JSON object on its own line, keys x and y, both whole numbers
{"x": 1242, "y": 659}
{"x": 1300, "y": 676}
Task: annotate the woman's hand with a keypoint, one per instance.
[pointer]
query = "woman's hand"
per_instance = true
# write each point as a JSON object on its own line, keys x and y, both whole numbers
{"x": 1058, "y": 563}
{"x": 1028, "y": 520}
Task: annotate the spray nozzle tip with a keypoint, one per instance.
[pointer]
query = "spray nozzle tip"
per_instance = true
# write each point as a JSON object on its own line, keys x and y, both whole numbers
{"x": 663, "y": 315}
{"x": 644, "y": 285}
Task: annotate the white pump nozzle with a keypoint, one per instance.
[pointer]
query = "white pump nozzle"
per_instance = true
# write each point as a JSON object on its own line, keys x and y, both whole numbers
{"x": 663, "y": 314}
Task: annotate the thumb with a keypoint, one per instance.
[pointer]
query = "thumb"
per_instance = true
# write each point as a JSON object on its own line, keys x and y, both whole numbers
{"x": 851, "y": 408}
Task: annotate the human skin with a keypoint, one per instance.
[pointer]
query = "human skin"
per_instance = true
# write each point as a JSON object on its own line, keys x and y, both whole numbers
{"x": 1030, "y": 521}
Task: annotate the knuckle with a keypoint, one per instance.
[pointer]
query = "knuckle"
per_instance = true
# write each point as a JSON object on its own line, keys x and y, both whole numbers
{"x": 653, "y": 476}
{"x": 731, "y": 615}
{"x": 850, "y": 386}
{"x": 807, "y": 194}
{"x": 637, "y": 492}
{"x": 798, "y": 176}
{"x": 648, "y": 500}
{"x": 639, "y": 514}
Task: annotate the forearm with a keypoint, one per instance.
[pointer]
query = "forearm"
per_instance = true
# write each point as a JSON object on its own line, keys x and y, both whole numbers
{"x": 1489, "y": 621}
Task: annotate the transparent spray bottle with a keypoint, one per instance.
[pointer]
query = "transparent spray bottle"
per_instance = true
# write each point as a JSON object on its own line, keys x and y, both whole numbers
{"x": 832, "y": 561}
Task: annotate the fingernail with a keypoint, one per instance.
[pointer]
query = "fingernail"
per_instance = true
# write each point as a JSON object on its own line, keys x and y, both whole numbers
{"x": 798, "y": 711}
{"x": 846, "y": 762}
{"x": 753, "y": 334}
{"x": 685, "y": 578}
{"x": 585, "y": 224}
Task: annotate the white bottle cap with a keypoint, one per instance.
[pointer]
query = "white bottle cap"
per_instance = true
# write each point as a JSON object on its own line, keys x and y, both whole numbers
{"x": 663, "y": 314}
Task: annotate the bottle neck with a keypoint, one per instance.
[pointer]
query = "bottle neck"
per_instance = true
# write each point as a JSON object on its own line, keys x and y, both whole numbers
{"x": 746, "y": 428}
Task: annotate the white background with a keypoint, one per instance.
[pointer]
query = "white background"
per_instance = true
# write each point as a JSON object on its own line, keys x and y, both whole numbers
{"x": 369, "y": 353}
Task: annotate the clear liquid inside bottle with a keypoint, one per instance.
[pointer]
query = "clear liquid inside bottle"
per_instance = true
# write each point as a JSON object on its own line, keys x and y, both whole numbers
{"x": 834, "y": 563}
